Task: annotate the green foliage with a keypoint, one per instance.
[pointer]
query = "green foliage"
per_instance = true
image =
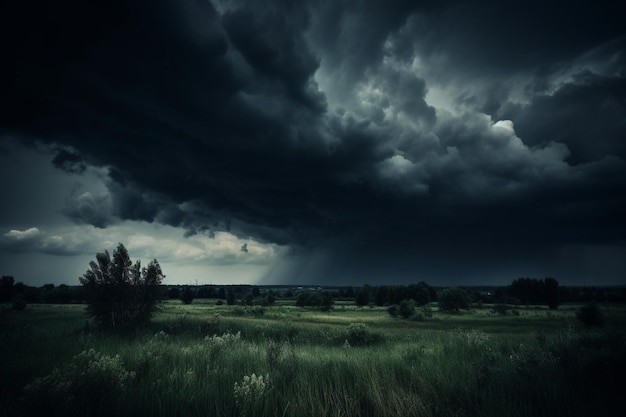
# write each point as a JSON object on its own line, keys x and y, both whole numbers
{"x": 453, "y": 299}
{"x": 18, "y": 302}
{"x": 230, "y": 297}
{"x": 493, "y": 366}
{"x": 120, "y": 294}
{"x": 187, "y": 295}
{"x": 406, "y": 308}
{"x": 500, "y": 309}
{"x": 323, "y": 300}
{"x": 536, "y": 291}
{"x": 358, "y": 334}
{"x": 6, "y": 288}
{"x": 363, "y": 296}
{"x": 590, "y": 314}
{"x": 250, "y": 392}
{"x": 257, "y": 311}
{"x": 418, "y": 316}
{"x": 92, "y": 382}
{"x": 551, "y": 292}
{"x": 274, "y": 352}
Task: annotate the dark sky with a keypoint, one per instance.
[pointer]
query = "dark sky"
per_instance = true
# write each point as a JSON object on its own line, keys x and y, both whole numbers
{"x": 331, "y": 142}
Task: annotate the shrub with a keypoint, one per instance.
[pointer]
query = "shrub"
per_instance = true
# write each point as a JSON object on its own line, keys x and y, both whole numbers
{"x": 250, "y": 392}
{"x": 89, "y": 385}
{"x": 500, "y": 309}
{"x": 18, "y": 302}
{"x": 322, "y": 300}
{"x": 418, "y": 316}
{"x": 187, "y": 295}
{"x": 120, "y": 294}
{"x": 406, "y": 308}
{"x": 258, "y": 311}
{"x": 357, "y": 334}
{"x": 453, "y": 299}
{"x": 393, "y": 310}
{"x": 590, "y": 314}
{"x": 226, "y": 340}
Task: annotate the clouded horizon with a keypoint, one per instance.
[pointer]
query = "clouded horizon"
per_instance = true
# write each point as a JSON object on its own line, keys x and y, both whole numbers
{"x": 316, "y": 142}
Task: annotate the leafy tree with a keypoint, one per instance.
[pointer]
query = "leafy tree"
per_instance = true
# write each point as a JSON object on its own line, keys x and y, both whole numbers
{"x": 323, "y": 300}
{"x": 18, "y": 302}
{"x": 363, "y": 296}
{"x": 173, "y": 293}
{"x": 551, "y": 291}
{"x": 327, "y": 301}
{"x": 453, "y": 299}
{"x": 248, "y": 299}
{"x": 382, "y": 295}
{"x": 121, "y": 294}
{"x": 590, "y": 315}
{"x": 230, "y": 297}
{"x": 6, "y": 288}
{"x": 420, "y": 293}
{"x": 406, "y": 308}
{"x": 187, "y": 295}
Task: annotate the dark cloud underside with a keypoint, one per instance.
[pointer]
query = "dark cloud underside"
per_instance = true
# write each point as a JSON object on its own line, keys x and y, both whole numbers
{"x": 407, "y": 134}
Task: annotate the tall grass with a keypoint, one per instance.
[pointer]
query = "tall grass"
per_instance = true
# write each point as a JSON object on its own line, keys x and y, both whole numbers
{"x": 201, "y": 362}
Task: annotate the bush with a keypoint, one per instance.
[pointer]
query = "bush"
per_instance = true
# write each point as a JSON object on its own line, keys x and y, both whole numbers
{"x": 249, "y": 394}
{"x": 187, "y": 295}
{"x": 453, "y": 299}
{"x": 257, "y": 311}
{"x": 406, "y": 308}
{"x": 500, "y": 309}
{"x": 357, "y": 334}
{"x": 393, "y": 310}
{"x": 418, "y": 316}
{"x": 18, "y": 302}
{"x": 118, "y": 293}
{"x": 90, "y": 385}
{"x": 590, "y": 314}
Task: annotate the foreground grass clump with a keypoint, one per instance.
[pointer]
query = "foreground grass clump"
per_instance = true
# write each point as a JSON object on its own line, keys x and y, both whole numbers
{"x": 91, "y": 382}
{"x": 206, "y": 361}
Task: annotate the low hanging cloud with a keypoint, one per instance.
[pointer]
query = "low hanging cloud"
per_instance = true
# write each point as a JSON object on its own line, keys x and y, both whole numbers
{"x": 430, "y": 131}
{"x": 35, "y": 240}
{"x": 145, "y": 242}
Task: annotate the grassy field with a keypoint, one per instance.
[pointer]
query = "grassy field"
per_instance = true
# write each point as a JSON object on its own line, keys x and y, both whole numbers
{"x": 208, "y": 360}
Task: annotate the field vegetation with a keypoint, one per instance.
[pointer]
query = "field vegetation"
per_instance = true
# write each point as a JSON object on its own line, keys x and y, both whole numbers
{"x": 205, "y": 359}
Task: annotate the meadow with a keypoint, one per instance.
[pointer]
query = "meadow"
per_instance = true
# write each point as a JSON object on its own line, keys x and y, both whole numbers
{"x": 205, "y": 359}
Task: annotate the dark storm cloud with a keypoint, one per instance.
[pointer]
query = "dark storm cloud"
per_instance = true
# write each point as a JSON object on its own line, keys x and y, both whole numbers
{"x": 69, "y": 161}
{"x": 588, "y": 114}
{"x": 311, "y": 124}
{"x": 90, "y": 209}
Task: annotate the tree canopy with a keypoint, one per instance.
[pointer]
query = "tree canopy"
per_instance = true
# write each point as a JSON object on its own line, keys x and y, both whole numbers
{"x": 121, "y": 294}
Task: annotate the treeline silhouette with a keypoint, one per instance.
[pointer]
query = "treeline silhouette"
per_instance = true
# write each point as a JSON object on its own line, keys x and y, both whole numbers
{"x": 521, "y": 291}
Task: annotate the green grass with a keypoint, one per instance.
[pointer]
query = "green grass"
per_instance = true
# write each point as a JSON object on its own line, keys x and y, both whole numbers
{"x": 475, "y": 363}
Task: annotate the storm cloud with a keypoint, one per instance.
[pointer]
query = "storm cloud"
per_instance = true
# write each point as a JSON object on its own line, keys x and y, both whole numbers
{"x": 412, "y": 140}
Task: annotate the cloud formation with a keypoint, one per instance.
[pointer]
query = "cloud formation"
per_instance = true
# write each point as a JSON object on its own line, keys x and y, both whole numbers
{"x": 407, "y": 135}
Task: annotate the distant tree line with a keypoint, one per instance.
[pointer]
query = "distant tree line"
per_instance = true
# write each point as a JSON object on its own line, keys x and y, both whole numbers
{"x": 421, "y": 293}
{"x": 321, "y": 299}
{"x": 521, "y": 291}
{"x": 48, "y": 293}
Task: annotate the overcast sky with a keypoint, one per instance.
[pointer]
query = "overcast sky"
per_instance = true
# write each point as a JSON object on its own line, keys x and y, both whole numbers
{"x": 315, "y": 142}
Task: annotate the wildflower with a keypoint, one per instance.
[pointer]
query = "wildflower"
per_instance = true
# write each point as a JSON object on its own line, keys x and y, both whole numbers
{"x": 250, "y": 392}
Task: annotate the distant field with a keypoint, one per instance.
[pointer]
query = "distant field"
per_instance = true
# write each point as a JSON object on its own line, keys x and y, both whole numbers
{"x": 199, "y": 360}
